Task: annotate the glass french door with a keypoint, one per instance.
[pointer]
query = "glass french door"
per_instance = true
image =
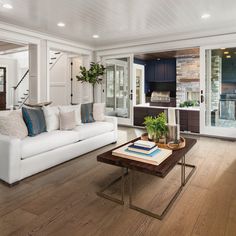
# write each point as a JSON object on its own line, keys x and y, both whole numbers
{"x": 117, "y": 88}
{"x": 218, "y": 91}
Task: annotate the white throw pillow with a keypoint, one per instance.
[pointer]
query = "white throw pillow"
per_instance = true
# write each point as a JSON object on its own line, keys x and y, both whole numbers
{"x": 76, "y": 109}
{"x": 99, "y": 111}
{"x": 51, "y": 115}
{"x": 13, "y": 125}
{"x": 67, "y": 120}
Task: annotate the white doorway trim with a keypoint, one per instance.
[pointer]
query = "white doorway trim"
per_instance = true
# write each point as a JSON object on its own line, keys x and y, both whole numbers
{"x": 122, "y": 121}
{"x": 204, "y": 129}
{"x": 142, "y": 84}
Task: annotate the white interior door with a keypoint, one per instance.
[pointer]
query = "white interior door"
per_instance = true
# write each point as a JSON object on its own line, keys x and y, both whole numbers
{"x": 218, "y": 91}
{"x": 118, "y": 88}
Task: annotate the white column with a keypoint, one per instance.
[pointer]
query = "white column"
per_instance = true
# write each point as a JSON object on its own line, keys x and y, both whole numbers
{"x": 44, "y": 71}
{"x": 38, "y": 72}
{"x": 34, "y": 96}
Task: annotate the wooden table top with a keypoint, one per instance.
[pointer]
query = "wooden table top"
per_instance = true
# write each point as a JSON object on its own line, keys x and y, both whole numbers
{"x": 161, "y": 170}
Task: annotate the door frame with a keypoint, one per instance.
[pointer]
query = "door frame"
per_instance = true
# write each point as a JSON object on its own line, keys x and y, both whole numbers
{"x": 142, "y": 85}
{"x": 211, "y": 130}
{"x": 122, "y": 121}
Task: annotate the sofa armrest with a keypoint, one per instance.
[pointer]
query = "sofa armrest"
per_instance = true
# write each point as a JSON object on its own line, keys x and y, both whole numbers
{"x": 113, "y": 120}
{"x": 10, "y": 159}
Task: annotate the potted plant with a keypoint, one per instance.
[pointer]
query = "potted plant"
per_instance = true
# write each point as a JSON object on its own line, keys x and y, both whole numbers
{"x": 150, "y": 127}
{"x": 161, "y": 128}
{"x": 156, "y": 127}
{"x": 93, "y": 75}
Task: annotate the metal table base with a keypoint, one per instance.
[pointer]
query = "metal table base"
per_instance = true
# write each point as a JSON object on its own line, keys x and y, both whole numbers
{"x": 124, "y": 172}
{"x": 183, "y": 181}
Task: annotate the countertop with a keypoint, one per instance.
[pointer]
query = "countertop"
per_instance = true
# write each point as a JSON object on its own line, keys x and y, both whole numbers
{"x": 179, "y": 108}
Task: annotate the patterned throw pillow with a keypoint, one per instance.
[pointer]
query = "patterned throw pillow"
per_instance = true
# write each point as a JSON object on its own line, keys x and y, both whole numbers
{"x": 87, "y": 113}
{"x": 35, "y": 121}
{"x": 13, "y": 125}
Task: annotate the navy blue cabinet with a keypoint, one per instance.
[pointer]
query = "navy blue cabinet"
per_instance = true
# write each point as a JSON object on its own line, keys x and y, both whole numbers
{"x": 160, "y": 71}
{"x": 163, "y": 70}
{"x": 170, "y": 70}
{"x": 150, "y": 71}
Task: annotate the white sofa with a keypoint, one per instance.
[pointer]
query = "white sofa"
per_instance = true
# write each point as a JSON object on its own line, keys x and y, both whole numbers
{"x": 22, "y": 158}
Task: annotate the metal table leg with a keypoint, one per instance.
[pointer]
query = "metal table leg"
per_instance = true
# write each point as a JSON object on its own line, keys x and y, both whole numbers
{"x": 124, "y": 172}
{"x": 184, "y": 180}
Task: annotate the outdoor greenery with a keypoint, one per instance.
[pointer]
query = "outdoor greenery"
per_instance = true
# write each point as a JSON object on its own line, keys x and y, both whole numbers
{"x": 189, "y": 103}
{"x": 93, "y": 74}
{"x": 156, "y": 126}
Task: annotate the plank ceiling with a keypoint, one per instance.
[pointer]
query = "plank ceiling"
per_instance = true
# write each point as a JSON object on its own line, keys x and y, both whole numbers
{"x": 121, "y": 21}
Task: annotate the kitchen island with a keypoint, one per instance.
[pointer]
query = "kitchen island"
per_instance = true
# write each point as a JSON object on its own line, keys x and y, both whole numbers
{"x": 189, "y": 116}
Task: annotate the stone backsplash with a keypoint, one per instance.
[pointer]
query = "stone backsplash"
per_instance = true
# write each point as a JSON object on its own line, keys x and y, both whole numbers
{"x": 187, "y": 77}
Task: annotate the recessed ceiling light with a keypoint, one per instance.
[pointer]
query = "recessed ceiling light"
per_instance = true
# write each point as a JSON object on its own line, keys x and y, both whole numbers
{"x": 7, "y": 6}
{"x": 95, "y": 36}
{"x": 61, "y": 24}
{"x": 226, "y": 52}
{"x": 223, "y": 48}
{"x": 228, "y": 56}
{"x": 205, "y": 16}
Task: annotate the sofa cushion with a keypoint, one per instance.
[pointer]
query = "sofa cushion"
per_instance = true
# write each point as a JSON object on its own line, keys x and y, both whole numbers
{"x": 47, "y": 141}
{"x": 52, "y": 118}
{"x": 99, "y": 111}
{"x": 12, "y": 124}
{"x": 67, "y": 120}
{"x": 87, "y": 113}
{"x": 76, "y": 109}
{"x": 89, "y": 130}
{"x": 34, "y": 120}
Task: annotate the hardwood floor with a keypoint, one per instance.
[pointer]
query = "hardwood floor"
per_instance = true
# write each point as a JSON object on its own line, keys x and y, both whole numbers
{"x": 63, "y": 201}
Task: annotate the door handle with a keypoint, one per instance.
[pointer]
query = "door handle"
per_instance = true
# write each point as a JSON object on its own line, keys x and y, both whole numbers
{"x": 202, "y": 99}
{"x": 131, "y": 96}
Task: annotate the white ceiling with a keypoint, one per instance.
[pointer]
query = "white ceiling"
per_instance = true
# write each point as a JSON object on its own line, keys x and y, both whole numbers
{"x": 121, "y": 21}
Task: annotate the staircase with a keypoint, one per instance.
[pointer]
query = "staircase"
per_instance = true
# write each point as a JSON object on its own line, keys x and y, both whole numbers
{"x": 22, "y": 99}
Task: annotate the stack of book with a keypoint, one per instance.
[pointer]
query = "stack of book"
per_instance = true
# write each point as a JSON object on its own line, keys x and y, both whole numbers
{"x": 143, "y": 147}
{"x": 143, "y": 151}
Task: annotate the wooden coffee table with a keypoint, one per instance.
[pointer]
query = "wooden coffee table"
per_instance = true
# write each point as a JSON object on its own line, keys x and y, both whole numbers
{"x": 128, "y": 166}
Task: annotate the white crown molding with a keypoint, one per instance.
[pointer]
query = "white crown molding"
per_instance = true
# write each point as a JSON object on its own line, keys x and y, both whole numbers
{"x": 180, "y": 37}
{"x": 29, "y": 35}
{"x": 223, "y": 40}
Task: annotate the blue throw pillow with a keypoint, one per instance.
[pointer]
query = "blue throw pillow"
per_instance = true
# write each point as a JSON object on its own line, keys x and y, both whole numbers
{"x": 87, "y": 113}
{"x": 34, "y": 120}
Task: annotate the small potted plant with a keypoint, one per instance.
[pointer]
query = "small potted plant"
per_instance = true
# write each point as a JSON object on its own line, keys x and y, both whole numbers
{"x": 150, "y": 127}
{"x": 156, "y": 127}
{"x": 161, "y": 128}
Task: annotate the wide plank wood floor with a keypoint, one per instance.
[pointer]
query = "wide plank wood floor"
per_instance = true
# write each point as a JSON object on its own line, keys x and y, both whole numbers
{"x": 63, "y": 201}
